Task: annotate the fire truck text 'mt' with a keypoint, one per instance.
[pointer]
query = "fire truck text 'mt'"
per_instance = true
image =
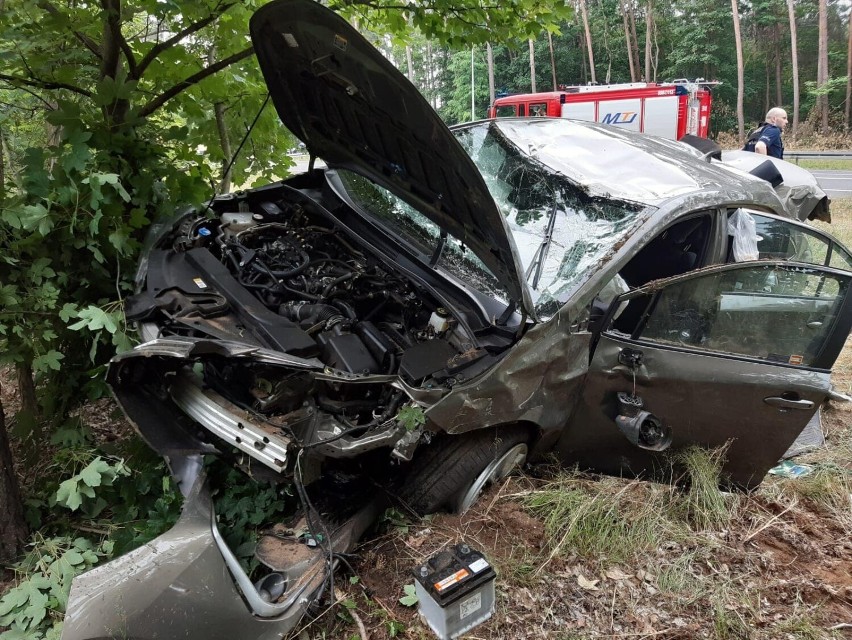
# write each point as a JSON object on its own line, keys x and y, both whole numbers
{"x": 669, "y": 110}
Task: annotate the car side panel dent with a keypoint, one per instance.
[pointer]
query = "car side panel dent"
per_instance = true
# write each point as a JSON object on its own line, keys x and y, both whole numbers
{"x": 537, "y": 382}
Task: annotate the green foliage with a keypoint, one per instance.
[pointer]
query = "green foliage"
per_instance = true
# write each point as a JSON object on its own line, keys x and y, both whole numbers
{"x": 410, "y": 598}
{"x": 411, "y": 417}
{"x": 244, "y": 505}
{"x": 130, "y": 496}
{"x": 34, "y": 608}
{"x": 394, "y": 519}
{"x": 79, "y": 490}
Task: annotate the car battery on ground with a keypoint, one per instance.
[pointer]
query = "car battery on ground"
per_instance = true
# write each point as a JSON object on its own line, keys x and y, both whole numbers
{"x": 455, "y": 590}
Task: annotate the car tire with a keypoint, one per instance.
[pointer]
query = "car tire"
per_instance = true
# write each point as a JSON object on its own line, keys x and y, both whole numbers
{"x": 451, "y": 472}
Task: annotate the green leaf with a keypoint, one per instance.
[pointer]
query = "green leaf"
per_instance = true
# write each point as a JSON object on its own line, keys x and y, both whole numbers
{"x": 48, "y": 361}
{"x": 410, "y": 598}
{"x": 73, "y": 557}
{"x": 69, "y": 494}
{"x": 94, "y": 472}
{"x": 94, "y": 318}
{"x": 8, "y": 295}
{"x": 68, "y": 311}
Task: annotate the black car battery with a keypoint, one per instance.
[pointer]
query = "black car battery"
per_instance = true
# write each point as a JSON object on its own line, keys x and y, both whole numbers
{"x": 455, "y": 590}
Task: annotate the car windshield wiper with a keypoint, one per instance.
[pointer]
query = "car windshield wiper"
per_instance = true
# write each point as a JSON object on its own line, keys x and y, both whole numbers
{"x": 540, "y": 255}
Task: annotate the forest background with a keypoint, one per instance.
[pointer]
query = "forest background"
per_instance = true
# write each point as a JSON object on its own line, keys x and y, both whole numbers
{"x": 117, "y": 113}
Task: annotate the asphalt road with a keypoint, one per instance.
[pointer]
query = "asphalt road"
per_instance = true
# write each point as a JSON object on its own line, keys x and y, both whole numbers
{"x": 837, "y": 184}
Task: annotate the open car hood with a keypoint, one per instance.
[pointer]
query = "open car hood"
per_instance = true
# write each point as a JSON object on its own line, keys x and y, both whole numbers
{"x": 354, "y": 109}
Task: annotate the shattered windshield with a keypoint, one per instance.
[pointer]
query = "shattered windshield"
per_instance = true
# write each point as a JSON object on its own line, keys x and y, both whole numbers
{"x": 560, "y": 231}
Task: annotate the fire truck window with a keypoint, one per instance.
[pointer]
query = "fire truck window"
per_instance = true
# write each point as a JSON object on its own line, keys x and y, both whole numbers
{"x": 507, "y": 111}
{"x": 539, "y": 109}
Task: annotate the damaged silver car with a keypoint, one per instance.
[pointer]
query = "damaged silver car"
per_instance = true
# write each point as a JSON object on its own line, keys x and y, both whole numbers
{"x": 436, "y": 307}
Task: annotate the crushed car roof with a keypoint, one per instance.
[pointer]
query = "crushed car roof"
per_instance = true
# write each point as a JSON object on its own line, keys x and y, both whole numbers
{"x": 610, "y": 162}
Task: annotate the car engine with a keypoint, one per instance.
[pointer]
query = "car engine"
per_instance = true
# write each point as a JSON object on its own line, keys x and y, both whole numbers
{"x": 283, "y": 277}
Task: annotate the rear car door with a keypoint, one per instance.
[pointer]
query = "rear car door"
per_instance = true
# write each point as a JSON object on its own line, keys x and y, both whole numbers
{"x": 736, "y": 355}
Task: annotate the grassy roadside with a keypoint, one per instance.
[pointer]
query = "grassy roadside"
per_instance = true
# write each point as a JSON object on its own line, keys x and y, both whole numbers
{"x": 824, "y": 163}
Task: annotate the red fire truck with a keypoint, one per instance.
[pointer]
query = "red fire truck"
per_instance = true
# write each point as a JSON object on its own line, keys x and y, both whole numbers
{"x": 669, "y": 110}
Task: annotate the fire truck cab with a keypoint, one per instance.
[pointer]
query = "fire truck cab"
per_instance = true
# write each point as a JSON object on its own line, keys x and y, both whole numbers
{"x": 669, "y": 110}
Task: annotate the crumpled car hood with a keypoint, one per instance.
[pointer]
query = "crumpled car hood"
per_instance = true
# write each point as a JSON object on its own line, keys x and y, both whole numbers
{"x": 801, "y": 194}
{"x": 354, "y": 109}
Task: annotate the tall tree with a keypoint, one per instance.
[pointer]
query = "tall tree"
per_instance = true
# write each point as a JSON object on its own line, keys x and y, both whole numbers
{"x": 822, "y": 66}
{"x": 848, "y": 73}
{"x": 552, "y": 59}
{"x": 628, "y": 41}
{"x": 649, "y": 30}
{"x": 491, "y": 92}
{"x": 794, "y": 55}
{"x": 738, "y": 42}
{"x": 585, "y": 17}
{"x": 13, "y": 528}
{"x": 532, "y": 65}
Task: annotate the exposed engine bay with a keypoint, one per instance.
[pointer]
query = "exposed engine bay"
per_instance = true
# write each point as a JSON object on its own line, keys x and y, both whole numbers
{"x": 280, "y": 275}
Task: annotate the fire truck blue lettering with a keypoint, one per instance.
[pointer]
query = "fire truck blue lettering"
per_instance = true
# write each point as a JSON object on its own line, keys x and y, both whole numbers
{"x": 626, "y": 117}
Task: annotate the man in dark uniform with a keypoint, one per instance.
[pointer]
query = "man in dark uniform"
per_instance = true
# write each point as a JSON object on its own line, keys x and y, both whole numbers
{"x": 766, "y": 139}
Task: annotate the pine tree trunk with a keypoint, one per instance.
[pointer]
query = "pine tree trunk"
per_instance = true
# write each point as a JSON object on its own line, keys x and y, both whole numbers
{"x": 26, "y": 388}
{"x": 490, "y": 57}
{"x": 532, "y": 65}
{"x": 628, "y": 42}
{"x": 13, "y": 527}
{"x": 822, "y": 64}
{"x": 794, "y": 54}
{"x": 3, "y": 165}
{"x": 410, "y": 63}
{"x": 848, "y": 74}
{"x": 552, "y": 59}
{"x": 740, "y": 79}
{"x": 779, "y": 97}
{"x": 634, "y": 42}
{"x": 585, "y": 17}
{"x": 649, "y": 28}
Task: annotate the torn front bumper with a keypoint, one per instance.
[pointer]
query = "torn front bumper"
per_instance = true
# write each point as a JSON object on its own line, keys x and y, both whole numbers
{"x": 158, "y": 386}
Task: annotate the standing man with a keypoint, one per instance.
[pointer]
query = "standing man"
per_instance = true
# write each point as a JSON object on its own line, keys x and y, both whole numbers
{"x": 766, "y": 139}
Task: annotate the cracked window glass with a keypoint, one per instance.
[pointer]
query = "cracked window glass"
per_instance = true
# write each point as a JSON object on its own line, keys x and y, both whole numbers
{"x": 561, "y": 232}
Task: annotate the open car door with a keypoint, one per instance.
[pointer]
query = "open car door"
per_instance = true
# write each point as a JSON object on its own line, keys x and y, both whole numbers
{"x": 736, "y": 355}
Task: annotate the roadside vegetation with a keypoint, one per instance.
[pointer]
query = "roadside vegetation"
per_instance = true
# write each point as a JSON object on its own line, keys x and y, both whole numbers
{"x": 826, "y": 164}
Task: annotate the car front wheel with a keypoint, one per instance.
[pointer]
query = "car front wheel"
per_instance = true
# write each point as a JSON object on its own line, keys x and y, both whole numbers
{"x": 452, "y": 472}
